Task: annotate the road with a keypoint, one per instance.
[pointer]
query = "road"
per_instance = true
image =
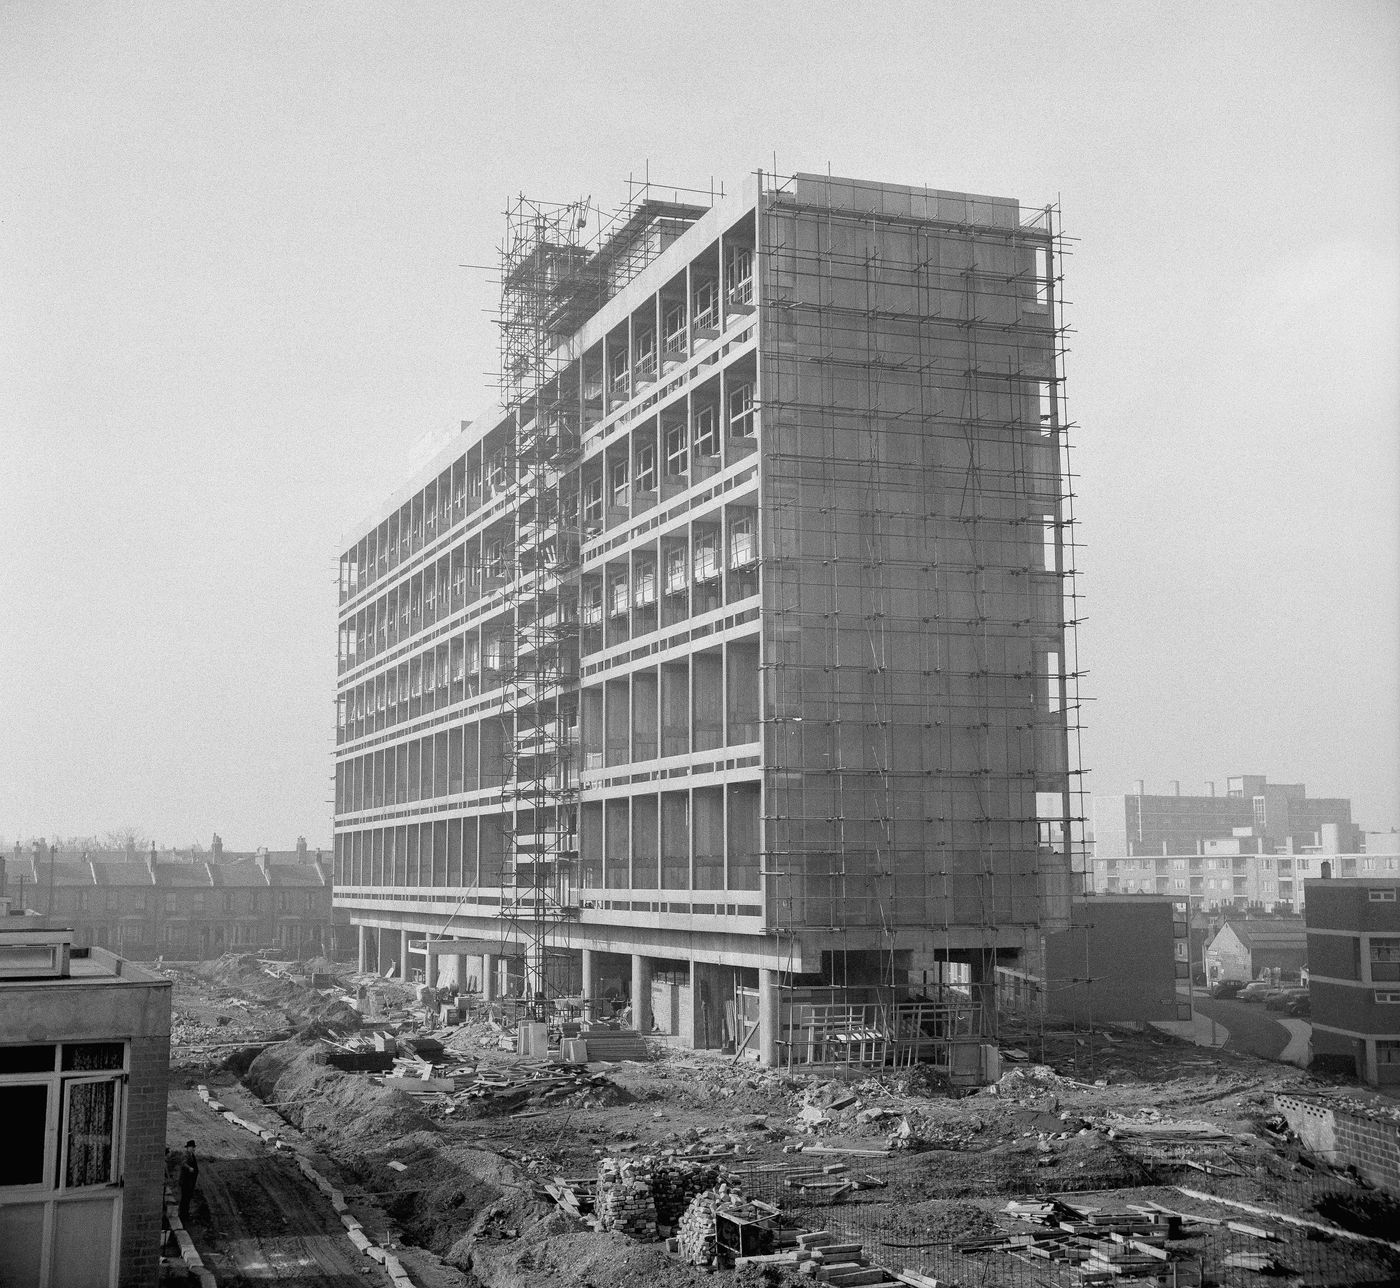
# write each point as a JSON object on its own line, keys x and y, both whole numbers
{"x": 256, "y": 1219}
{"x": 1252, "y": 1028}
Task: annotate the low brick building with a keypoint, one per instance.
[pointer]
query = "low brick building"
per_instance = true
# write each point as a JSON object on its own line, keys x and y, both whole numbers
{"x": 1354, "y": 974}
{"x": 1254, "y": 947}
{"x": 84, "y": 1068}
{"x": 179, "y": 905}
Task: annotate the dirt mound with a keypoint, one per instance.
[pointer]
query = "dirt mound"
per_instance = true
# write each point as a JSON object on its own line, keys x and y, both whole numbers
{"x": 580, "y": 1261}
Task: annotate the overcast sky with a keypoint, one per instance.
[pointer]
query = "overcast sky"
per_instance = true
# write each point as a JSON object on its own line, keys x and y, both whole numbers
{"x": 230, "y": 303}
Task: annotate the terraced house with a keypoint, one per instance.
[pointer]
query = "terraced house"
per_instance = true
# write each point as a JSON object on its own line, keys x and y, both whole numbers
{"x": 179, "y": 905}
{"x": 726, "y": 667}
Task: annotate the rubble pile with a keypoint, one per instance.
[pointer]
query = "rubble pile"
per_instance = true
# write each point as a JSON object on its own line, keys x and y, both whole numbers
{"x": 625, "y": 1202}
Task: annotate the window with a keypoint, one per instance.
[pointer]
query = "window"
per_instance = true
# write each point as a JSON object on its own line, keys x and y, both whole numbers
{"x": 617, "y": 597}
{"x": 706, "y": 307}
{"x": 593, "y": 500}
{"x": 617, "y": 370}
{"x": 644, "y": 589}
{"x": 1387, "y": 997}
{"x": 738, "y": 278}
{"x": 677, "y": 450}
{"x": 646, "y": 467}
{"x": 674, "y": 324}
{"x": 741, "y": 545}
{"x": 644, "y": 354}
{"x": 171, "y": 903}
{"x": 228, "y": 900}
{"x": 675, "y": 570}
{"x": 706, "y": 558}
{"x": 741, "y": 411}
{"x": 617, "y": 482}
{"x": 706, "y": 437}
{"x": 284, "y": 901}
{"x": 1387, "y": 1051}
{"x": 1381, "y": 896}
{"x": 593, "y": 605}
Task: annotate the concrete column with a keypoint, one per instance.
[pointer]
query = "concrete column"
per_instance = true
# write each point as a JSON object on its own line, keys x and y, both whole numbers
{"x": 641, "y": 993}
{"x": 361, "y": 948}
{"x": 403, "y": 956}
{"x": 768, "y": 1014}
{"x": 488, "y": 977}
{"x": 590, "y": 976}
{"x": 430, "y": 964}
{"x": 982, "y": 975}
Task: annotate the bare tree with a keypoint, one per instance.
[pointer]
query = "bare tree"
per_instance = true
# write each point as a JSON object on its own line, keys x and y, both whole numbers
{"x": 130, "y": 839}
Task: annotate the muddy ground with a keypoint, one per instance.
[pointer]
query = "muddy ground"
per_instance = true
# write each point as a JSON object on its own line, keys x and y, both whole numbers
{"x": 459, "y": 1187}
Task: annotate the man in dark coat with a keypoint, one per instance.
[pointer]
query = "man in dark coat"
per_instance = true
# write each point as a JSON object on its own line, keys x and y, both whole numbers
{"x": 189, "y": 1178}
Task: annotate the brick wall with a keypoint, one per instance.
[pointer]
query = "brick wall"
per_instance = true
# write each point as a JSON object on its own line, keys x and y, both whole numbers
{"x": 144, "y": 1170}
{"x": 1349, "y": 1134}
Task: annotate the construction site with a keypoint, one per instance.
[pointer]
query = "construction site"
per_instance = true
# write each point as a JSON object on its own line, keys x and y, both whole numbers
{"x": 355, "y": 1129}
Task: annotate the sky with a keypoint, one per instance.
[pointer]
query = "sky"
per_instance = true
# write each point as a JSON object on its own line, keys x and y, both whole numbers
{"x": 231, "y": 303}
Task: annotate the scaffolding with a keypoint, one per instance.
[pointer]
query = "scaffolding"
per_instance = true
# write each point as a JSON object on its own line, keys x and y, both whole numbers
{"x": 556, "y": 271}
{"x": 920, "y": 589}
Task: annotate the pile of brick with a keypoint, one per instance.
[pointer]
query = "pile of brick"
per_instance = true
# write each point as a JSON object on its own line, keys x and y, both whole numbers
{"x": 696, "y": 1238}
{"x": 624, "y": 1199}
{"x": 675, "y": 1182}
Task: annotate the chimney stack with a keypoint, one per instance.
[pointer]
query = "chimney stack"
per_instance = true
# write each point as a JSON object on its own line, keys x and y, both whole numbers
{"x": 1210, "y": 789}
{"x": 1138, "y": 786}
{"x": 1176, "y": 787}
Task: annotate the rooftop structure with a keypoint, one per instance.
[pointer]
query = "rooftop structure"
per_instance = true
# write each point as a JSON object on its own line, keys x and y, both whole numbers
{"x": 84, "y": 1065}
{"x": 734, "y": 651}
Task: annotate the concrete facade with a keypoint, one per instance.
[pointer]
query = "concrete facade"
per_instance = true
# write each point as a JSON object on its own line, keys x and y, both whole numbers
{"x": 185, "y": 907}
{"x": 84, "y": 1059}
{"x": 1353, "y": 932}
{"x": 809, "y": 540}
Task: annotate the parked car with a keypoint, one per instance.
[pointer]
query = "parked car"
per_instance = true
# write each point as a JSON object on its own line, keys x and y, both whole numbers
{"x": 1225, "y": 988}
{"x": 1279, "y": 1001}
{"x": 1299, "y": 1007}
{"x": 1256, "y": 991}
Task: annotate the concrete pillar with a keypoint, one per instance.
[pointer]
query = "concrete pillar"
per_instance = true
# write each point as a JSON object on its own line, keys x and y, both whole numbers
{"x": 982, "y": 975}
{"x": 488, "y": 977}
{"x": 641, "y": 993}
{"x": 768, "y": 1013}
{"x": 430, "y": 964}
{"x": 361, "y": 948}
{"x": 403, "y": 957}
{"x": 589, "y": 975}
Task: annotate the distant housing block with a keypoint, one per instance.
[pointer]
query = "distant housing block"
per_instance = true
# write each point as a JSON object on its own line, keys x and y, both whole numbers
{"x": 84, "y": 1064}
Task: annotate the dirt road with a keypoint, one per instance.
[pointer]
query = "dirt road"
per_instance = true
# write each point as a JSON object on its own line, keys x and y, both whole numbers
{"x": 256, "y": 1219}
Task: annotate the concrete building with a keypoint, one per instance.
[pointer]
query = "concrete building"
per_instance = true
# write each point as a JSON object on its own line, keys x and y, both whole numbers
{"x": 727, "y": 667}
{"x": 1353, "y": 929}
{"x": 1222, "y": 880}
{"x": 84, "y": 1064}
{"x": 179, "y": 905}
{"x": 1248, "y": 949}
{"x": 1118, "y": 961}
{"x": 1254, "y": 816}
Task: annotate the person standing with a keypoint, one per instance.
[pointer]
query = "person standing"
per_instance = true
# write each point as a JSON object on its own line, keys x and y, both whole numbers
{"x": 189, "y": 1178}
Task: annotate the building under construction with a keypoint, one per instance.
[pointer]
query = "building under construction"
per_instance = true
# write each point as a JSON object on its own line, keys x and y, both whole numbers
{"x": 727, "y": 669}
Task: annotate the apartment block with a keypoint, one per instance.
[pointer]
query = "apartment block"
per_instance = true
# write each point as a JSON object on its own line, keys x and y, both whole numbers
{"x": 725, "y": 668}
{"x": 1353, "y": 935}
{"x": 1228, "y": 881}
{"x": 84, "y": 1067}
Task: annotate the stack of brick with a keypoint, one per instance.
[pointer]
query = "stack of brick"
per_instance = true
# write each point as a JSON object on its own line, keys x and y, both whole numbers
{"x": 697, "y": 1232}
{"x": 676, "y": 1182}
{"x": 624, "y": 1200}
